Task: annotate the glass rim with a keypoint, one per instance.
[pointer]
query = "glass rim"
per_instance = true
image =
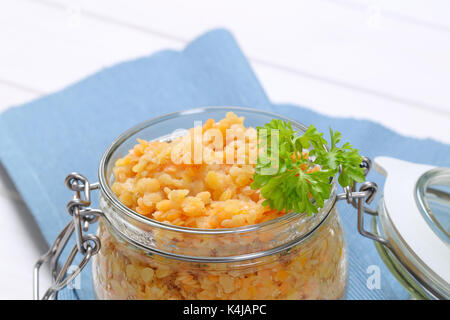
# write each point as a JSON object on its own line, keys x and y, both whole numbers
{"x": 432, "y": 177}
{"x": 123, "y": 209}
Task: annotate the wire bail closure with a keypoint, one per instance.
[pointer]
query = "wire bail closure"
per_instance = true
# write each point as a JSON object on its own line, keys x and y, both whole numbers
{"x": 87, "y": 244}
{"x": 366, "y": 193}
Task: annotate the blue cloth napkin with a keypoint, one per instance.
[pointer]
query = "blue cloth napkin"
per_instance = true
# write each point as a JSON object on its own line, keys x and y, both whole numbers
{"x": 42, "y": 141}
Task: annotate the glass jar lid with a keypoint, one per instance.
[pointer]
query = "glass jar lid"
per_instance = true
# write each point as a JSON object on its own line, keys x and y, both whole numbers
{"x": 414, "y": 216}
{"x": 433, "y": 200}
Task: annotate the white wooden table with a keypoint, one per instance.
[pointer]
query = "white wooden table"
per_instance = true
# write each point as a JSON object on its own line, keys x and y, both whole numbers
{"x": 386, "y": 60}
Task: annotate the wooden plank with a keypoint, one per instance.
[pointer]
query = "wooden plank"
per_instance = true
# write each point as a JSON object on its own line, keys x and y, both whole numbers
{"x": 49, "y": 48}
{"x": 394, "y": 59}
{"x": 296, "y": 86}
{"x": 331, "y": 100}
{"x": 13, "y": 94}
{"x": 21, "y": 244}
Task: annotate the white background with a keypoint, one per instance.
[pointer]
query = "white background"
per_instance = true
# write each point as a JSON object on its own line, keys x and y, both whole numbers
{"x": 386, "y": 60}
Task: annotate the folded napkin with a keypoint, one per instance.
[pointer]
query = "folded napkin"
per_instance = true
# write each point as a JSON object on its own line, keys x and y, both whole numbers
{"x": 42, "y": 141}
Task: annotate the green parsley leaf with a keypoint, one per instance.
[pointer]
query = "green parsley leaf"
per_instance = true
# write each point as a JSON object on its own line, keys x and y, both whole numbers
{"x": 289, "y": 180}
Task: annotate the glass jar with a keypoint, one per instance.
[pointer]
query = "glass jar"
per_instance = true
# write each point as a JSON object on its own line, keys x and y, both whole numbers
{"x": 291, "y": 257}
{"x": 294, "y": 256}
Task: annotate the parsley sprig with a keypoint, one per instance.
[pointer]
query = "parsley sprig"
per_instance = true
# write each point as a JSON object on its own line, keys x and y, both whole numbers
{"x": 294, "y": 173}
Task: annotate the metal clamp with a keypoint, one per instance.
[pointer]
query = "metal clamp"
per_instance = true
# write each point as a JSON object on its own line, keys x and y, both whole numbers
{"x": 366, "y": 193}
{"x": 87, "y": 245}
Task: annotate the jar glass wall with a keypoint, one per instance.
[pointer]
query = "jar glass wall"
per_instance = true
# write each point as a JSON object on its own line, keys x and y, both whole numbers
{"x": 313, "y": 269}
